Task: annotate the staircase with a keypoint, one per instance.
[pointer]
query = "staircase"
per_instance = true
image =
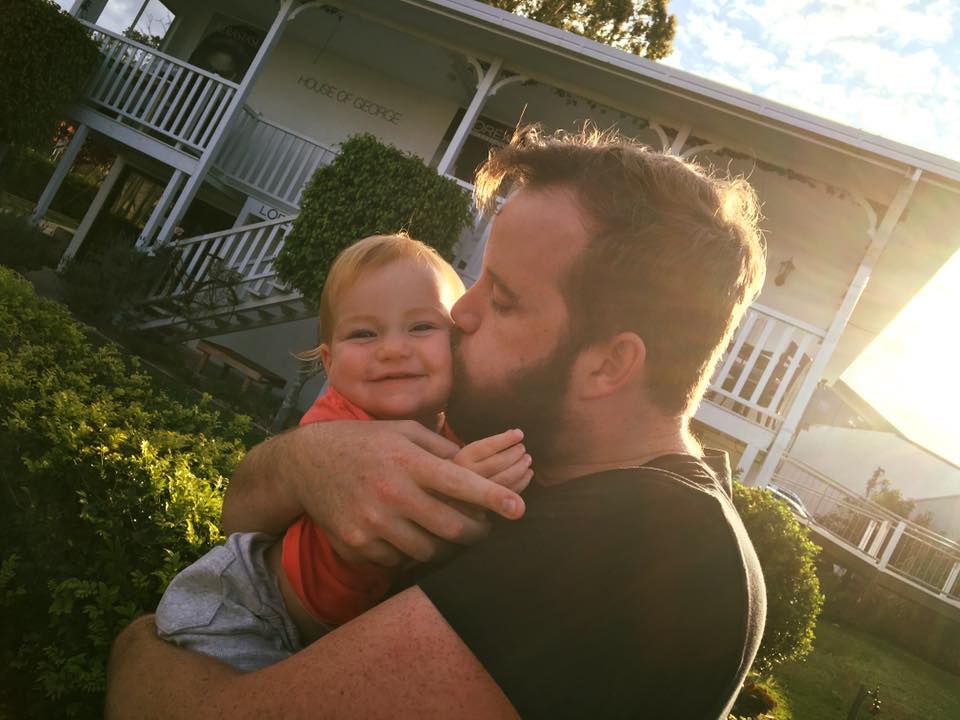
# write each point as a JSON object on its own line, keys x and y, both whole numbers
{"x": 223, "y": 282}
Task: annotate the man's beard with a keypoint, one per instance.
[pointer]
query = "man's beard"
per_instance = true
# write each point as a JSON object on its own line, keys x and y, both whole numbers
{"x": 531, "y": 399}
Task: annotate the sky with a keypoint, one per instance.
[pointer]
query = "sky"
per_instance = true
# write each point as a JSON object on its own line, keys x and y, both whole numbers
{"x": 890, "y": 67}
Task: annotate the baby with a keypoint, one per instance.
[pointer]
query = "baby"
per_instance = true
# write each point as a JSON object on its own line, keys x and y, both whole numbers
{"x": 385, "y": 344}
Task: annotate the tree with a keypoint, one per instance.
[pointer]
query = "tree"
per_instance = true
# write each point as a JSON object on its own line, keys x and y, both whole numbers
{"x": 880, "y": 492}
{"x": 642, "y": 27}
{"x": 46, "y": 57}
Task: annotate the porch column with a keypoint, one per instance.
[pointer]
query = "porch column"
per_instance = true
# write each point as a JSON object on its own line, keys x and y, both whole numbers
{"x": 59, "y": 173}
{"x": 747, "y": 458}
{"x": 99, "y": 200}
{"x": 892, "y": 545}
{"x": 951, "y": 579}
{"x": 469, "y": 117}
{"x": 236, "y": 104}
{"x": 160, "y": 209}
{"x": 878, "y": 240}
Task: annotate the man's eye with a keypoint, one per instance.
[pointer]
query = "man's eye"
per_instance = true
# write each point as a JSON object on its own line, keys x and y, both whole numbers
{"x": 498, "y": 307}
{"x": 361, "y": 335}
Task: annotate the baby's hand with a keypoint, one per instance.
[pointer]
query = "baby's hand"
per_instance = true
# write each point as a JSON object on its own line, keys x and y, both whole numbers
{"x": 500, "y": 458}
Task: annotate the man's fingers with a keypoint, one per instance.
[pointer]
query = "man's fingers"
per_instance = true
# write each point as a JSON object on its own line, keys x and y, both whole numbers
{"x": 450, "y": 522}
{"x": 459, "y": 483}
{"x": 431, "y": 442}
{"x": 375, "y": 551}
{"x": 414, "y": 541}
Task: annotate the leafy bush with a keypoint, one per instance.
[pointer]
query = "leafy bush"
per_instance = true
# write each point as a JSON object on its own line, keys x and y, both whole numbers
{"x": 25, "y": 173}
{"x": 46, "y": 57}
{"x": 108, "y": 489}
{"x": 23, "y": 246}
{"x": 788, "y": 559}
{"x": 370, "y": 188}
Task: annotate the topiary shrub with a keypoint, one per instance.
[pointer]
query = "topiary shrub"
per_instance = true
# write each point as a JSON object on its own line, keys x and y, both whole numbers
{"x": 47, "y": 57}
{"x": 108, "y": 488}
{"x": 788, "y": 559}
{"x": 370, "y": 188}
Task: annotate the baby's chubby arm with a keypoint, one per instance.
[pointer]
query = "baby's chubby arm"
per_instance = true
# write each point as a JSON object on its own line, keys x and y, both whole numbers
{"x": 501, "y": 458}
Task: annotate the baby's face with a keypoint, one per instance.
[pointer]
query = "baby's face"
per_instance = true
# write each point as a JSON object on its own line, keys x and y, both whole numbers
{"x": 390, "y": 349}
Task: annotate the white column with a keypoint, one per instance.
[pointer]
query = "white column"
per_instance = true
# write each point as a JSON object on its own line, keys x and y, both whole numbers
{"x": 747, "y": 458}
{"x": 80, "y": 234}
{"x": 879, "y": 238}
{"x": 236, "y": 104}
{"x": 160, "y": 209}
{"x": 469, "y": 117}
{"x": 59, "y": 173}
{"x": 871, "y": 526}
{"x": 878, "y": 539}
{"x": 892, "y": 545}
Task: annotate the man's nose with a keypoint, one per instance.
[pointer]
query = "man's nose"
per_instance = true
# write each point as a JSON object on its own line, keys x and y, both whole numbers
{"x": 465, "y": 313}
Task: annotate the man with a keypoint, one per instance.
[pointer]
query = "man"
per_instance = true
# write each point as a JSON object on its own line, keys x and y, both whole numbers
{"x": 612, "y": 280}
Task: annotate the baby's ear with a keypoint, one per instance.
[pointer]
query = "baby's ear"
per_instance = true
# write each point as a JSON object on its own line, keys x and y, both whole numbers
{"x": 325, "y": 357}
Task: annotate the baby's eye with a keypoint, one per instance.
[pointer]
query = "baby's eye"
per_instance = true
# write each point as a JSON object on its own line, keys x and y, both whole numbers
{"x": 361, "y": 334}
{"x": 423, "y": 327}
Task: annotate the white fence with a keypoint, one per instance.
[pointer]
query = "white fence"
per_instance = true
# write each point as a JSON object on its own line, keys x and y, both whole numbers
{"x": 763, "y": 366}
{"x": 271, "y": 159}
{"x": 157, "y": 92}
{"x": 895, "y": 543}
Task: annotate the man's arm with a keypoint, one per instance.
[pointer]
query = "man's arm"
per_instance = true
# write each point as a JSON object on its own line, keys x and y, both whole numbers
{"x": 372, "y": 486}
{"x": 400, "y": 659}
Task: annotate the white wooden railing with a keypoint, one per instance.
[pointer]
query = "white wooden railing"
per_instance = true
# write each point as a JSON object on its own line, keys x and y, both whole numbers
{"x": 157, "y": 92}
{"x": 894, "y": 543}
{"x": 238, "y": 261}
{"x": 272, "y": 160}
{"x": 763, "y": 366}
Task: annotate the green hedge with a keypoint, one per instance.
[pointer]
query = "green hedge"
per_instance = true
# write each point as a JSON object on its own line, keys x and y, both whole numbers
{"x": 25, "y": 173}
{"x": 788, "y": 559}
{"x": 370, "y": 188}
{"x": 47, "y": 57}
{"x": 109, "y": 488}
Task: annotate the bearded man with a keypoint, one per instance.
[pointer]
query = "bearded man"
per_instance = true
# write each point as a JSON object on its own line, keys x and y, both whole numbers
{"x": 612, "y": 280}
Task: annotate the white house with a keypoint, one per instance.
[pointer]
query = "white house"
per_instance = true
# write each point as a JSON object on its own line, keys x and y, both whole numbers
{"x": 248, "y": 97}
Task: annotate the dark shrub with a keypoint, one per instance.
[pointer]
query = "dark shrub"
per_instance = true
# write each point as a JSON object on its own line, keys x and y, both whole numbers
{"x": 47, "y": 57}
{"x": 22, "y": 246}
{"x": 788, "y": 559}
{"x": 25, "y": 173}
{"x": 108, "y": 488}
{"x": 370, "y": 189}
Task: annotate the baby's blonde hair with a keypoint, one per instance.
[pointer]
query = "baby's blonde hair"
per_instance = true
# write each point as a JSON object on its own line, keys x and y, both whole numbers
{"x": 371, "y": 253}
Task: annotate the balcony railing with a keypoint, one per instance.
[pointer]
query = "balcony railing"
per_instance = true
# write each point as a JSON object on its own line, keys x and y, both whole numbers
{"x": 156, "y": 92}
{"x": 272, "y": 160}
{"x": 763, "y": 366}
{"x": 894, "y": 543}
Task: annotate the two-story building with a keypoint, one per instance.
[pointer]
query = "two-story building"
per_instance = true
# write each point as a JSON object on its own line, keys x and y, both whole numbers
{"x": 245, "y": 99}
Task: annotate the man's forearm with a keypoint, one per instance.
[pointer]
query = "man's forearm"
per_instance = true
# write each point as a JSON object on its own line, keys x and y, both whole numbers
{"x": 262, "y": 495}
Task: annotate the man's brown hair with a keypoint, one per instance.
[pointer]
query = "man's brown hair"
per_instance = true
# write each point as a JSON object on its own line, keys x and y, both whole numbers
{"x": 675, "y": 254}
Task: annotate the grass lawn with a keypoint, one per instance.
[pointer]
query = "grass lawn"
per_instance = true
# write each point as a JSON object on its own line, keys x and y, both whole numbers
{"x": 824, "y": 686}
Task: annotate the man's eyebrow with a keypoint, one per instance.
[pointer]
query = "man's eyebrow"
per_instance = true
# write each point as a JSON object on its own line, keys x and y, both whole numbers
{"x": 503, "y": 287}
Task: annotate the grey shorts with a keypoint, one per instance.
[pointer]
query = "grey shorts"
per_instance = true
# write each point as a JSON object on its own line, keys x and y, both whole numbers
{"x": 228, "y": 605}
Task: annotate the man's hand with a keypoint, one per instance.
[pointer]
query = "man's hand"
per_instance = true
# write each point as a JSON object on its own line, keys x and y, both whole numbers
{"x": 372, "y": 486}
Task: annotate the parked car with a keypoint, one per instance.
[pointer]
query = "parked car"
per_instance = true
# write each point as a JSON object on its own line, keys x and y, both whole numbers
{"x": 793, "y": 501}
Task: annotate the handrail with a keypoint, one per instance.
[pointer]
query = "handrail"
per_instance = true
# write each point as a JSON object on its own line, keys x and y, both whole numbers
{"x": 790, "y": 320}
{"x": 259, "y": 117}
{"x": 153, "y": 51}
{"x": 231, "y": 231}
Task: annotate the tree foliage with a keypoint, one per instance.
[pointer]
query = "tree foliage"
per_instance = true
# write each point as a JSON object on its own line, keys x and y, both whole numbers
{"x": 47, "y": 57}
{"x": 108, "y": 488}
{"x": 370, "y": 189}
{"x": 642, "y": 27}
{"x": 880, "y": 491}
{"x": 788, "y": 560}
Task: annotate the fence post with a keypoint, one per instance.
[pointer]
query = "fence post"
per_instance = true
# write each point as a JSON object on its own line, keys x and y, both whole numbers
{"x": 892, "y": 545}
{"x": 871, "y": 526}
{"x": 878, "y": 539}
{"x": 951, "y": 579}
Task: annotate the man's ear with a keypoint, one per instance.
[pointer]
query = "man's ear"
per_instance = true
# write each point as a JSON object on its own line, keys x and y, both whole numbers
{"x": 607, "y": 366}
{"x": 325, "y": 357}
